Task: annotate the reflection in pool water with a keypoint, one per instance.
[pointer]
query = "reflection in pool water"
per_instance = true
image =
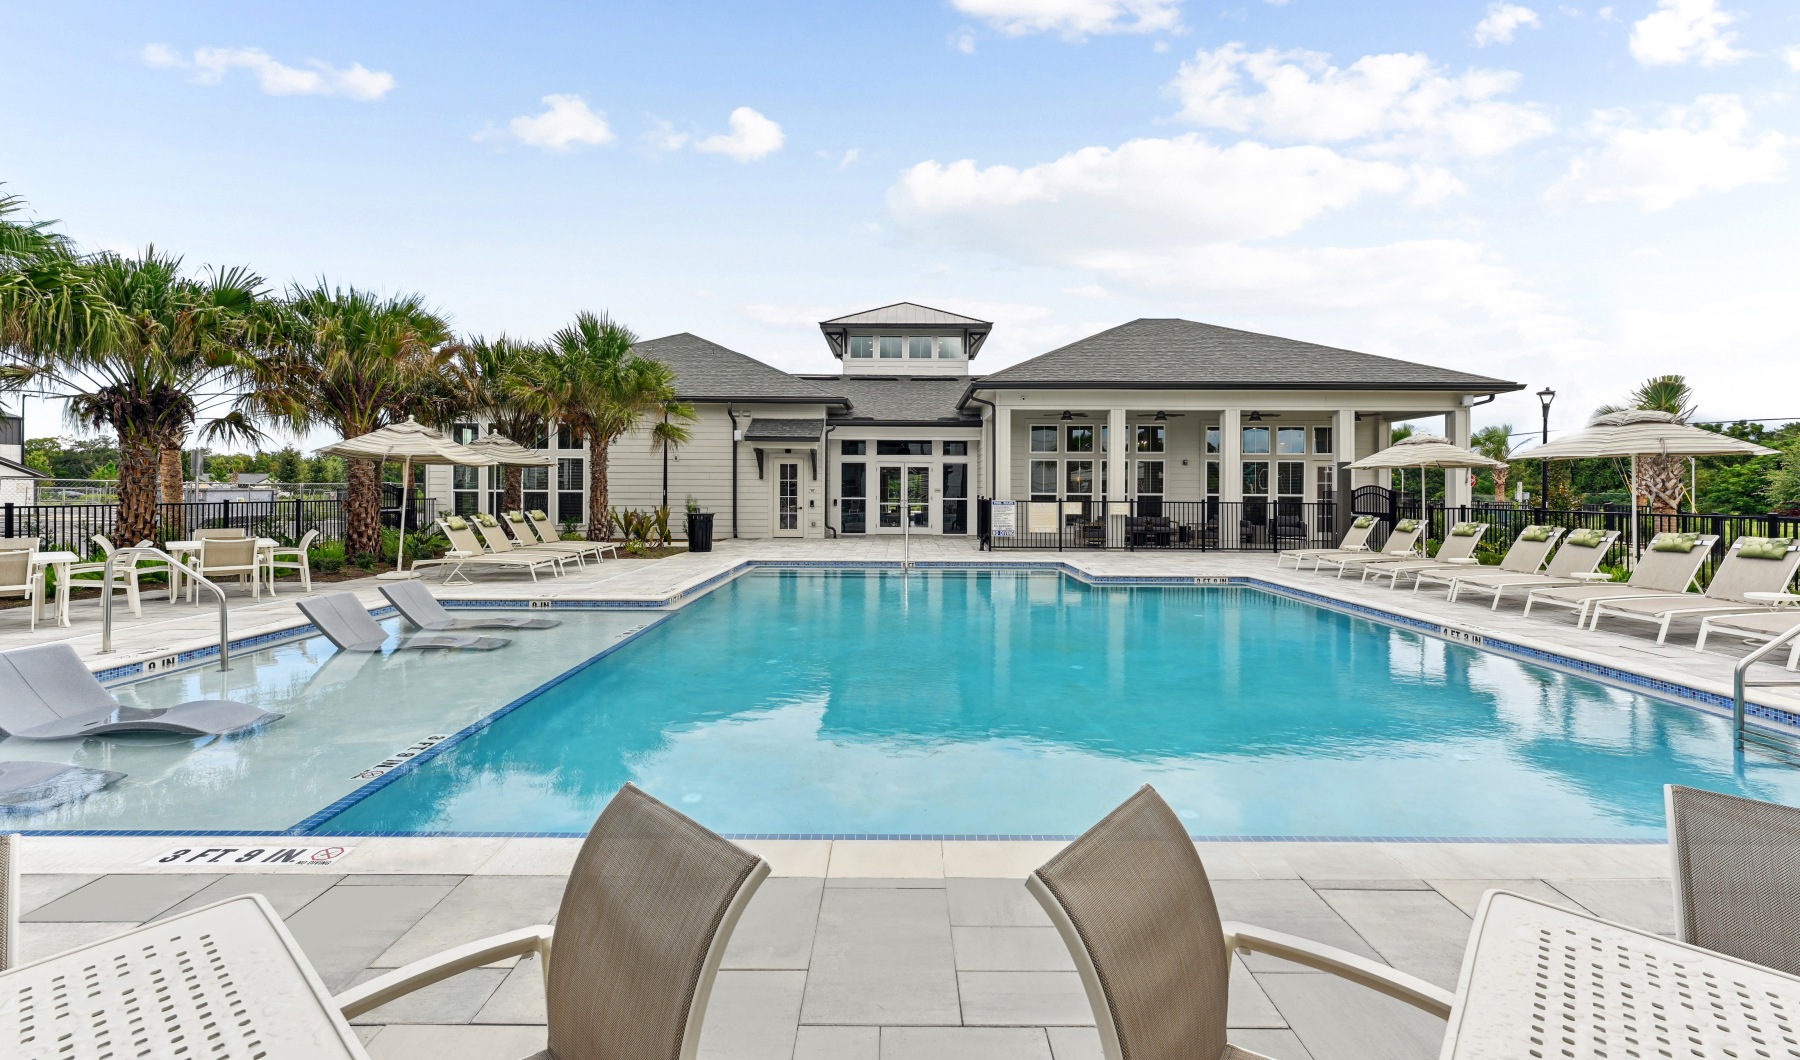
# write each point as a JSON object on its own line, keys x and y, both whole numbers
{"x": 1012, "y": 703}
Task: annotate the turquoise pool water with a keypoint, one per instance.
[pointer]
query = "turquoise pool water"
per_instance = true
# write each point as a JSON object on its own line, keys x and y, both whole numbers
{"x": 973, "y": 703}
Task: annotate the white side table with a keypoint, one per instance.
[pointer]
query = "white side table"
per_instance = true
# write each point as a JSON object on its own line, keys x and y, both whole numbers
{"x": 61, "y": 561}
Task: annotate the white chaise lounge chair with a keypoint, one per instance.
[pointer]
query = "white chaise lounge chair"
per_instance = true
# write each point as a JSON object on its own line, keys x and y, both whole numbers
{"x": 46, "y": 693}
{"x": 1764, "y": 627}
{"x": 1668, "y": 565}
{"x": 345, "y": 622}
{"x": 1754, "y": 565}
{"x": 1404, "y": 541}
{"x": 37, "y": 786}
{"x": 649, "y": 908}
{"x": 416, "y": 604}
{"x": 528, "y": 536}
{"x": 468, "y": 554}
{"x": 546, "y": 531}
{"x": 1526, "y": 555}
{"x": 501, "y": 545}
{"x": 1355, "y": 540}
{"x": 1574, "y": 564}
{"x": 1459, "y": 548}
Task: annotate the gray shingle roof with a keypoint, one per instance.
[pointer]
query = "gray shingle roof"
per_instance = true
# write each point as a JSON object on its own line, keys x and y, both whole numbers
{"x": 881, "y": 399}
{"x": 902, "y": 314}
{"x": 767, "y": 429}
{"x": 707, "y": 371}
{"x": 1169, "y": 352}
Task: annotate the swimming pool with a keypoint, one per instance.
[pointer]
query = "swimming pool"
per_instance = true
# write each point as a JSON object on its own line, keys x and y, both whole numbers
{"x": 1014, "y": 703}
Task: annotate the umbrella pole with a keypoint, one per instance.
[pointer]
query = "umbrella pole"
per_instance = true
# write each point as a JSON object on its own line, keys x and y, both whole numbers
{"x": 1634, "y": 512}
{"x": 405, "y": 497}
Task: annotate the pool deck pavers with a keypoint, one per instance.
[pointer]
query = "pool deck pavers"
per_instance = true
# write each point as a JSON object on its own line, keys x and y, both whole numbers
{"x": 830, "y": 962}
{"x": 859, "y": 950}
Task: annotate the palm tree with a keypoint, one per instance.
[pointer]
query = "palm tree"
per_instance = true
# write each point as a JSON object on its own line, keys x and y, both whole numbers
{"x": 1663, "y": 479}
{"x": 171, "y": 351}
{"x": 47, "y": 299}
{"x": 1495, "y": 443}
{"x": 480, "y": 379}
{"x": 355, "y": 362}
{"x": 590, "y": 379}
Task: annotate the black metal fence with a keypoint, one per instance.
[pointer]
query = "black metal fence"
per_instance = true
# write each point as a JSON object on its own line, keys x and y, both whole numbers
{"x": 71, "y": 527}
{"x": 1149, "y": 523}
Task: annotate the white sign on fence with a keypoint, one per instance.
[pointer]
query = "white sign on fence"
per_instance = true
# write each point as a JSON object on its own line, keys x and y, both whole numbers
{"x": 1004, "y": 522}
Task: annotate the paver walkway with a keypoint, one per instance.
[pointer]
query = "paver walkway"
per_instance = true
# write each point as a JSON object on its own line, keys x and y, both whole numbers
{"x": 866, "y": 950}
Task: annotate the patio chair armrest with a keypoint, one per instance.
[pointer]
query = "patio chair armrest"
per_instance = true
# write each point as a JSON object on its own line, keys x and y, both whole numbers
{"x": 440, "y": 966}
{"x": 1344, "y": 964}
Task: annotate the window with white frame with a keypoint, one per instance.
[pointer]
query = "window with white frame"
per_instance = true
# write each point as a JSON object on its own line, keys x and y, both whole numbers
{"x": 862, "y": 346}
{"x": 950, "y": 347}
{"x": 1043, "y": 480}
{"x": 1322, "y": 441}
{"x": 571, "y": 489}
{"x": 1078, "y": 479}
{"x": 918, "y": 347}
{"x": 1256, "y": 440}
{"x": 1149, "y": 478}
{"x": 1152, "y": 437}
{"x": 1212, "y": 440}
{"x": 1290, "y": 441}
{"x": 1078, "y": 438}
{"x": 1043, "y": 438}
{"x": 890, "y": 347}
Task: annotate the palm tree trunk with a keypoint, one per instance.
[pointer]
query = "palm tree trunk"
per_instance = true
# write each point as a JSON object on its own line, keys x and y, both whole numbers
{"x": 1663, "y": 482}
{"x": 599, "y": 526}
{"x": 512, "y": 494}
{"x": 1501, "y": 474}
{"x": 362, "y": 508}
{"x": 137, "y": 488}
{"x": 169, "y": 485}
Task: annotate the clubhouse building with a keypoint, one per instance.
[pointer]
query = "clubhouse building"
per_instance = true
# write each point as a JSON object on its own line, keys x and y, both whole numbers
{"x": 908, "y": 436}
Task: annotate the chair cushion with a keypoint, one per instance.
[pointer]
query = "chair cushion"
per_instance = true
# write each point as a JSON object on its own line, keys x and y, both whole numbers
{"x": 1406, "y": 526}
{"x": 1764, "y": 547}
{"x": 1584, "y": 538}
{"x": 1465, "y": 530}
{"x": 456, "y": 522}
{"x": 1535, "y": 533}
{"x": 1674, "y": 542}
{"x": 486, "y": 520}
{"x": 1363, "y": 522}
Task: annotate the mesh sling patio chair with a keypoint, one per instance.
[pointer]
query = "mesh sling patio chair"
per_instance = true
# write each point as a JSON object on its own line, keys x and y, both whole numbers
{"x": 645, "y": 918}
{"x": 292, "y": 557}
{"x": 547, "y": 532}
{"x": 1132, "y": 903}
{"x": 1657, "y": 572}
{"x": 468, "y": 554}
{"x": 495, "y": 537}
{"x": 1728, "y": 592}
{"x": 1578, "y": 558}
{"x": 1355, "y": 540}
{"x": 1761, "y": 626}
{"x": 17, "y": 578}
{"x": 1736, "y": 873}
{"x": 225, "y": 556}
{"x": 1460, "y": 545}
{"x": 527, "y": 535}
{"x": 344, "y": 621}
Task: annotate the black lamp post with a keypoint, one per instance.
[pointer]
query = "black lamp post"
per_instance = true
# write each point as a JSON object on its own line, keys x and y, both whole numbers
{"x": 1546, "y": 396}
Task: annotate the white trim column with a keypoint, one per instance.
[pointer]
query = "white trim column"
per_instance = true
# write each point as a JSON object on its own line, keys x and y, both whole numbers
{"x": 1001, "y": 487}
{"x": 1115, "y": 455}
{"x": 1459, "y": 487}
{"x": 1231, "y": 475}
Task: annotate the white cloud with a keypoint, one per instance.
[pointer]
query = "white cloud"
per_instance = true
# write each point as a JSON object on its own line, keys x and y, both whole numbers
{"x": 1792, "y": 57}
{"x": 209, "y": 66}
{"x": 963, "y": 40}
{"x": 1680, "y": 31}
{"x": 1503, "y": 21}
{"x": 663, "y": 137}
{"x": 1074, "y": 19}
{"x": 1707, "y": 146}
{"x": 1145, "y": 193}
{"x": 566, "y": 121}
{"x": 752, "y": 137}
{"x": 1399, "y": 102}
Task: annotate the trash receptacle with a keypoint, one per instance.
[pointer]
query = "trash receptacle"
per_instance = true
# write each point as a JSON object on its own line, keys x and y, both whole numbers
{"x": 699, "y": 531}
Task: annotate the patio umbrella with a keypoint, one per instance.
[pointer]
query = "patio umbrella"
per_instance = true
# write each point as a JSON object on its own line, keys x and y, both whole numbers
{"x": 411, "y": 443}
{"x": 499, "y": 449}
{"x": 1423, "y": 451}
{"x": 1641, "y": 432}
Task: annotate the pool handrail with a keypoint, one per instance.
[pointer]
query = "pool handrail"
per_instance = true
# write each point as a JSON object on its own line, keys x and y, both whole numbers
{"x": 1740, "y": 680}
{"x": 106, "y": 606}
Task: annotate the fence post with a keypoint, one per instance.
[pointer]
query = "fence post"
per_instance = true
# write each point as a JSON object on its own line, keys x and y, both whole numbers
{"x": 10, "y": 524}
{"x": 225, "y": 512}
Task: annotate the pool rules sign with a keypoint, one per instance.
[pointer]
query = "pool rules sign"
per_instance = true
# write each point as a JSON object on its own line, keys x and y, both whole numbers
{"x": 250, "y": 857}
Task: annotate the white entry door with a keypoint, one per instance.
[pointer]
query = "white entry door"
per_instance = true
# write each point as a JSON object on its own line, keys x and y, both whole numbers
{"x": 903, "y": 492}
{"x": 787, "y": 498}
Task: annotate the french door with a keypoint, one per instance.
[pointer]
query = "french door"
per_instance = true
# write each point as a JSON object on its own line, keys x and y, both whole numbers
{"x": 787, "y": 498}
{"x": 904, "y": 492}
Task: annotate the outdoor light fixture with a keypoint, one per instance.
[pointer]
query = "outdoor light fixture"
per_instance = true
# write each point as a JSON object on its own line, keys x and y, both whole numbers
{"x": 1256, "y": 417}
{"x": 1546, "y": 396}
{"x": 1067, "y": 415}
{"x": 1161, "y": 416}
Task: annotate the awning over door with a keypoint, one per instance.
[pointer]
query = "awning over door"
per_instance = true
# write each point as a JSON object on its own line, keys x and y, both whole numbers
{"x": 773, "y": 430}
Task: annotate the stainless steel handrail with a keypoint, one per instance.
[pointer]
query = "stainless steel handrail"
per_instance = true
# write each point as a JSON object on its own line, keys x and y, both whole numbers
{"x": 106, "y": 607}
{"x": 1740, "y": 681}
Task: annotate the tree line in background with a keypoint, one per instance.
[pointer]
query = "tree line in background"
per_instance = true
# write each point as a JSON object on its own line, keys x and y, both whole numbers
{"x": 97, "y": 457}
{"x": 157, "y": 356}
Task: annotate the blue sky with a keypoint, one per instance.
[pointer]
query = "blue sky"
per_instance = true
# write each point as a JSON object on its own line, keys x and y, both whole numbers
{"x": 1572, "y": 196}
